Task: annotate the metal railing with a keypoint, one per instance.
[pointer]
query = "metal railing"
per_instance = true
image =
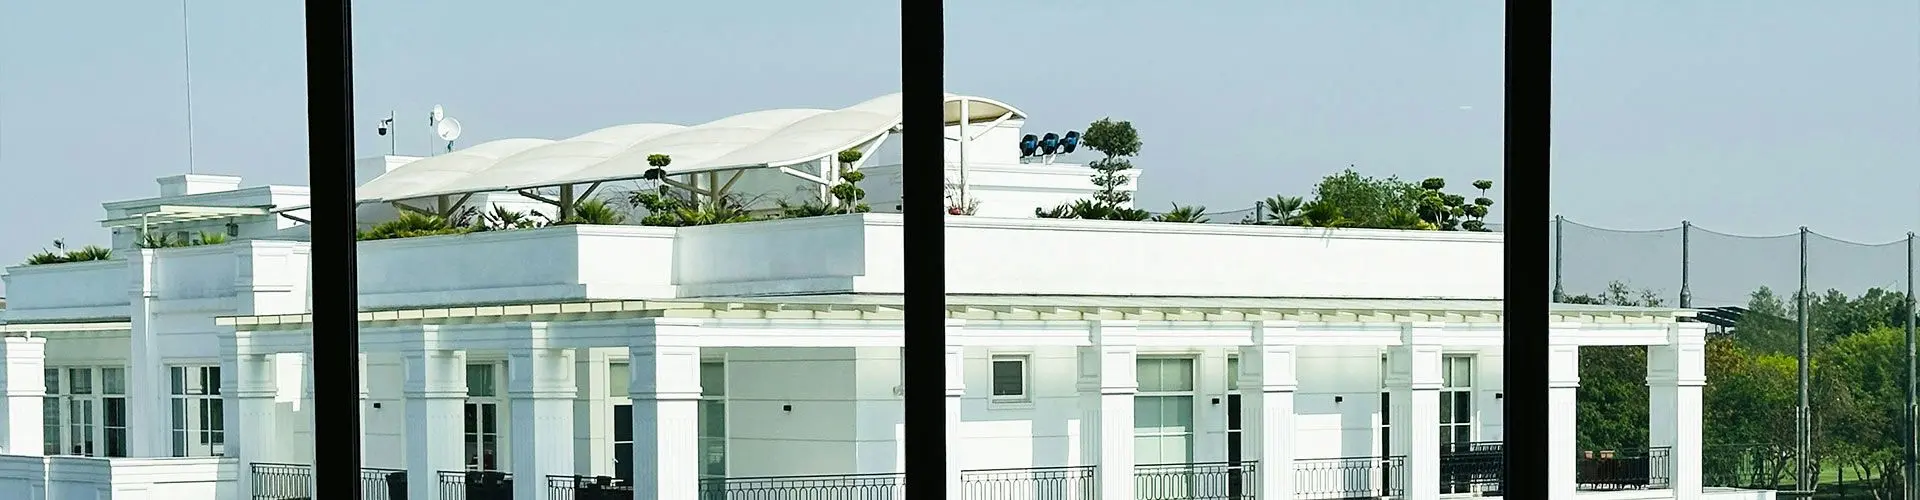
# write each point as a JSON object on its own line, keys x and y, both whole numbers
{"x": 588, "y": 488}
{"x": 282, "y": 481}
{"x": 1197, "y": 481}
{"x": 1478, "y": 467}
{"x": 273, "y": 481}
{"x": 1632, "y": 469}
{"x": 885, "y": 486}
{"x": 1035, "y": 483}
{"x": 1348, "y": 478}
{"x": 476, "y": 485}
{"x": 383, "y": 484}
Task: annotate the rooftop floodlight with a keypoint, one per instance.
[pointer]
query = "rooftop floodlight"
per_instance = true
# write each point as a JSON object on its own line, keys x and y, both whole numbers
{"x": 1069, "y": 141}
{"x": 1049, "y": 143}
{"x": 1028, "y": 144}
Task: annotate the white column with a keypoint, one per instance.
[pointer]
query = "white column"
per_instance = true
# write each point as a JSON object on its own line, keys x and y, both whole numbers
{"x": 665, "y": 387}
{"x": 1413, "y": 384}
{"x": 250, "y": 385}
{"x": 1267, "y": 386}
{"x": 436, "y": 392}
{"x": 1675, "y": 374}
{"x": 149, "y": 421}
{"x": 956, "y": 388}
{"x": 1107, "y": 385}
{"x": 592, "y": 416}
{"x": 540, "y": 383}
{"x": 1563, "y": 382}
{"x": 23, "y": 381}
{"x": 366, "y": 407}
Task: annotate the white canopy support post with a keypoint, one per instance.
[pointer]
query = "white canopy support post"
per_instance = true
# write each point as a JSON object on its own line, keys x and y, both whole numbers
{"x": 728, "y": 187}
{"x": 713, "y": 187}
{"x": 964, "y": 140}
{"x": 589, "y": 192}
{"x": 447, "y": 209}
{"x": 529, "y": 194}
{"x": 566, "y": 201}
{"x": 831, "y": 175}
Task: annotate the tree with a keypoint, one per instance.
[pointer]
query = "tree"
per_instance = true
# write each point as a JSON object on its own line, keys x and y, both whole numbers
{"x": 1611, "y": 403}
{"x": 1117, "y": 142}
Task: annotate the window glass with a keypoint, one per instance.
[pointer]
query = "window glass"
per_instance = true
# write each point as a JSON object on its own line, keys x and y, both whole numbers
{"x": 480, "y": 380}
{"x": 618, "y": 376}
{"x": 1009, "y": 376}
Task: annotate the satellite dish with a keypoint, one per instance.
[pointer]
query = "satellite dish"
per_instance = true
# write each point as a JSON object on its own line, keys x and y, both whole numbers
{"x": 438, "y": 114}
{"x": 448, "y": 129}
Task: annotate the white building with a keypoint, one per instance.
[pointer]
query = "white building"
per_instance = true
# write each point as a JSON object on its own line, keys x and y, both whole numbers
{"x": 1086, "y": 359}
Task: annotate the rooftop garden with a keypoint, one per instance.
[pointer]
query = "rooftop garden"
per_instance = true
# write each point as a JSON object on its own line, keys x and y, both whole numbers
{"x": 1342, "y": 200}
{"x": 60, "y": 254}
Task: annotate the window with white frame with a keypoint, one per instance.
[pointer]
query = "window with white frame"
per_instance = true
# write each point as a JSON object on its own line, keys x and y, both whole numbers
{"x": 483, "y": 417}
{"x": 199, "y": 428}
{"x": 1163, "y": 411}
{"x": 1456, "y": 399}
{"x": 712, "y": 419}
{"x": 1235, "y": 419}
{"x": 85, "y": 411}
{"x": 1010, "y": 380}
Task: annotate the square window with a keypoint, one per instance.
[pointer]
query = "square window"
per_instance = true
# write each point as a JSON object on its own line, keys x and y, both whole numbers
{"x": 480, "y": 381}
{"x": 1233, "y": 373}
{"x": 713, "y": 379}
{"x": 1009, "y": 376}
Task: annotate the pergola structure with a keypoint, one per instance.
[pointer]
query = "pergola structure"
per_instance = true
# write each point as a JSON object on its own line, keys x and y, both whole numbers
{"x": 707, "y": 159}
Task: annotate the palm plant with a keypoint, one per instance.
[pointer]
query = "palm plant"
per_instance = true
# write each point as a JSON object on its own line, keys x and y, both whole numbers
{"x": 1184, "y": 213}
{"x": 596, "y": 212}
{"x": 412, "y": 224}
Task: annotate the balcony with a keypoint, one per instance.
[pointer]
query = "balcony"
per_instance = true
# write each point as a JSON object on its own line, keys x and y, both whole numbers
{"x": 1474, "y": 469}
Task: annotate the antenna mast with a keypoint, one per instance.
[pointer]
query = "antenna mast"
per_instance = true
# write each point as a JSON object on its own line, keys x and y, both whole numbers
{"x": 186, "y": 45}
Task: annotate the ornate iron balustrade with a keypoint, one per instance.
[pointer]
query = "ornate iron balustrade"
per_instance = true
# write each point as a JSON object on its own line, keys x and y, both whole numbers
{"x": 1349, "y": 478}
{"x": 885, "y": 486}
{"x": 1478, "y": 467}
{"x": 588, "y": 488}
{"x": 476, "y": 485}
{"x": 1632, "y": 469}
{"x": 1197, "y": 481}
{"x": 1035, "y": 483}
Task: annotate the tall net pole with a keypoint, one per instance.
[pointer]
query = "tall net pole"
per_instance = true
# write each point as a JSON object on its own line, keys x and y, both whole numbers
{"x": 1913, "y": 467}
{"x": 1559, "y": 250}
{"x": 1686, "y": 260}
{"x": 1803, "y": 418}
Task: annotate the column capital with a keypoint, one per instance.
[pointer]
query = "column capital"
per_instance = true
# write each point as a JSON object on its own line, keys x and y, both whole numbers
{"x": 1563, "y": 366}
{"x": 956, "y": 374}
{"x": 1114, "y": 332}
{"x": 665, "y": 332}
{"x": 435, "y": 374}
{"x": 663, "y": 372}
{"x": 1270, "y": 367}
{"x": 541, "y": 373}
{"x": 1275, "y": 332}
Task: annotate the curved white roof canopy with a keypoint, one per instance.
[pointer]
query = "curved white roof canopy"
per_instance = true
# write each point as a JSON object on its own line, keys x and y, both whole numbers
{"x": 769, "y": 138}
{"x": 406, "y": 181}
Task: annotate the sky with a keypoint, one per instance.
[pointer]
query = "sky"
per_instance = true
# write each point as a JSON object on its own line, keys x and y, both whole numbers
{"x": 1748, "y": 120}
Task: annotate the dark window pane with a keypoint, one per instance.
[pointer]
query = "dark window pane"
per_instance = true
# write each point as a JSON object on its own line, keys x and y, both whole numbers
{"x": 623, "y": 423}
{"x": 1462, "y": 407}
{"x": 1009, "y": 378}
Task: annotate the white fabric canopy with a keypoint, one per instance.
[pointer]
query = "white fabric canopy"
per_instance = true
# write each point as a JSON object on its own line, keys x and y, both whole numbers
{"x": 771, "y": 138}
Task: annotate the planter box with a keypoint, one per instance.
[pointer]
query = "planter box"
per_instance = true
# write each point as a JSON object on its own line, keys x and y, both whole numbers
{"x": 553, "y": 264}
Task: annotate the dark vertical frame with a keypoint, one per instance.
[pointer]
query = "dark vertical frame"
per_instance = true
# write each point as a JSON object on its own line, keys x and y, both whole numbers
{"x": 336, "y": 301}
{"x": 922, "y": 71}
{"x": 1527, "y": 171}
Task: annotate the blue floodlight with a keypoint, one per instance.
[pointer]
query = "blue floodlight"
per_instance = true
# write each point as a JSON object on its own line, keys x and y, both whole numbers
{"x": 1068, "y": 142}
{"x": 1049, "y": 143}
{"x": 1028, "y": 144}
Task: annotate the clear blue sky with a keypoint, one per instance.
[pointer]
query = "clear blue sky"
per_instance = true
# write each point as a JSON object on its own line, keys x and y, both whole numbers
{"x": 1754, "y": 119}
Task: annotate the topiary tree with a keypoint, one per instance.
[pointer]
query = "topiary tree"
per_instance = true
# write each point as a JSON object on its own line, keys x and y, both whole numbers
{"x": 847, "y": 193}
{"x": 1117, "y": 142}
